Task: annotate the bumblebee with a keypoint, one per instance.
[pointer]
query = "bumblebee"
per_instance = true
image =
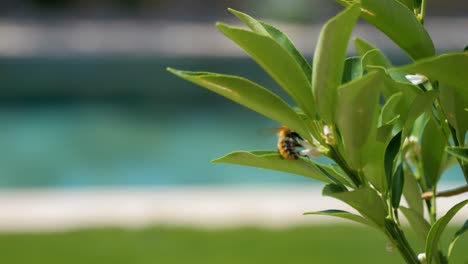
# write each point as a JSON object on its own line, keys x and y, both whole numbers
{"x": 288, "y": 142}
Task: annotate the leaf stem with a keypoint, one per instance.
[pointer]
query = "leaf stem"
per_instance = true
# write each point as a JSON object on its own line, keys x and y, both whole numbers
{"x": 397, "y": 237}
{"x": 446, "y": 193}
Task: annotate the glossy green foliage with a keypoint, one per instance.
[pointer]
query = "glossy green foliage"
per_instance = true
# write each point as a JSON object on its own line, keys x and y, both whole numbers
{"x": 273, "y": 161}
{"x": 328, "y": 66}
{"x": 460, "y": 153}
{"x": 248, "y": 94}
{"x": 458, "y": 234}
{"x": 344, "y": 215}
{"x": 420, "y": 226}
{"x": 373, "y": 55}
{"x": 282, "y": 67}
{"x": 433, "y": 152}
{"x": 399, "y": 24}
{"x": 365, "y": 200}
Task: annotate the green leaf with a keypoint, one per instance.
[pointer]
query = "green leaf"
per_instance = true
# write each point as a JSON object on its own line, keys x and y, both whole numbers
{"x": 352, "y": 69}
{"x": 398, "y": 181}
{"x": 281, "y": 66}
{"x": 432, "y": 242}
{"x": 422, "y": 103}
{"x": 458, "y": 234}
{"x": 250, "y": 95}
{"x": 272, "y": 160}
{"x": 417, "y": 222}
{"x": 357, "y": 112}
{"x": 372, "y": 55}
{"x": 459, "y": 152}
{"x": 328, "y": 61}
{"x": 412, "y": 192}
{"x": 365, "y": 200}
{"x": 432, "y": 152}
{"x": 450, "y": 71}
{"x": 408, "y": 3}
{"x": 390, "y": 153}
{"x": 344, "y": 215}
{"x": 281, "y": 38}
{"x": 404, "y": 29}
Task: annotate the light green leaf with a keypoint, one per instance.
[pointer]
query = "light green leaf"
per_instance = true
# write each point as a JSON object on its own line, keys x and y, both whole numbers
{"x": 461, "y": 153}
{"x": 371, "y": 55}
{"x": 422, "y": 103}
{"x": 450, "y": 71}
{"x": 282, "y": 67}
{"x": 248, "y": 94}
{"x": 328, "y": 61}
{"x": 432, "y": 242}
{"x": 282, "y": 39}
{"x": 272, "y": 160}
{"x": 404, "y": 29}
{"x": 365, "y": 200}
{"x": 432, "y": 152}
{"x": 412, "y": 193}
{"x": 356, "y": 115}
{"x": 458, "y": 234}
{"x": 417, "y": 222}
{"x": 344, "y": 215}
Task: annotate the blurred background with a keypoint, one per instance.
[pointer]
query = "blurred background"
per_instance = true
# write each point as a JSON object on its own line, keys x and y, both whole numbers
{"x": 94, "y": 132}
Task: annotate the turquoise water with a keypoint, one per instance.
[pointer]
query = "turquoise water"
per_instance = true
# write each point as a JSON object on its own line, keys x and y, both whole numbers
{"x": 96, "y": 146}
{"x": 118, "y": 121}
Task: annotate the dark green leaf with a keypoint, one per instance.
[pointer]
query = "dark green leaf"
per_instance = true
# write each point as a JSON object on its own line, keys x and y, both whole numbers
{"x": 390, "y": 153}
{"x": 282, "y": 67}
{"x": 282, "y": 39}
{"x": 432, "y": 152}
{"x": 352, "y": 69}
{"x": 398, "y": 181}
{"x": 432, "y": 242}
{"x": 272, "y": 160}
{"x": 250, "y": 95}
{"x": 365, "y": 200}
{"x": 404, "y": 29}
{"x": 344, "y": 215}
{"x": 417, "y": 222}
{"x": 328, "y": 61}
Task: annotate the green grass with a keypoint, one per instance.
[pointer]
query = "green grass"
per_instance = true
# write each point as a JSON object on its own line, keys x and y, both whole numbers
{"x": 308, "y": 244}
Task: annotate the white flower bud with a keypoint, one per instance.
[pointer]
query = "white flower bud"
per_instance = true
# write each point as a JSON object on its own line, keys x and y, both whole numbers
{"x": 416, "y": 78}
{"x": 422, "y": 258}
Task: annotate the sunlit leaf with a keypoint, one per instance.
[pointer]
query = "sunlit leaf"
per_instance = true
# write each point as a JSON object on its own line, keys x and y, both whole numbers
{"x": 248, "y": 94}
{"x": 282, "y": 67}
{"x": 404, "y": 29}
{"x": 371, "y": 55}
{"x": 280, "y": 37}
{"x": 458, "y": 234}
{"x": 272, "y": 160}
{"x": 432, "y": 242}
{"x": 328, "y": 61}
{"x": 411, "y": 192}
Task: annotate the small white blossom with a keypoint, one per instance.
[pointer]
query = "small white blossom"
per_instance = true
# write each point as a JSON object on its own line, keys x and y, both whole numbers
{"x": 416, "y": 78}
{"x": 328, "y": 135}
{"x": 309, "y": 149}
{"x": 422, "y": 258}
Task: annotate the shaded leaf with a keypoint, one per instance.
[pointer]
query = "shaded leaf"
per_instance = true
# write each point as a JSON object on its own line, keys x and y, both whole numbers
{"x": 458, "y": 234}
{"x": 272, "y": 160}
{"x": 412, "y": 192}
{"x": 352, "y": 69}
{"x": 398, "y": 181}
{"x": 365, "y": 200}
{"x": 391, "y": 152}
{"x": 328, "y": 66}
{"x": 459, "y": 152}
{"x": 371, "y": 55}
{"x": 344, "y": 215}
{"x": 404, "y": 29}
{"x": 282, "y": 67}
{"x": 417, "y": 222}
{"x": 432, "y": 152}
{"x": 432, "y": 242}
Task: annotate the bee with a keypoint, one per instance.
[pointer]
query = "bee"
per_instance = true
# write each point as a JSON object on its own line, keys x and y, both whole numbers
{"x": 288, "y": 142}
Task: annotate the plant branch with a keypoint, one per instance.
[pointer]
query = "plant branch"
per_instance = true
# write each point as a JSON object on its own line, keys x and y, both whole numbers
{"x": 446, "y": 193}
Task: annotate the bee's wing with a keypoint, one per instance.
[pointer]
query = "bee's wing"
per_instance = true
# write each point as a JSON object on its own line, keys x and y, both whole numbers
{"x": 267, "y": 131}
